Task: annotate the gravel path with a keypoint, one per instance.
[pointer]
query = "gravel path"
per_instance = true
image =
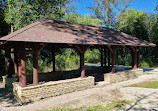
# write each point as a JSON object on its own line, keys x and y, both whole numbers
{"x": 144, "y": 99}
{"x": 101, "y": 94}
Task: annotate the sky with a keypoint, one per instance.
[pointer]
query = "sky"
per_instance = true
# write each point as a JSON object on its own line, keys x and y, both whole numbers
{"x": 143, "y": 5}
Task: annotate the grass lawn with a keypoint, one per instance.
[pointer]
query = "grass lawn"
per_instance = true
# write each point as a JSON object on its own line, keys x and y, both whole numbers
{"x": 115, "y": 105}
{"x": 147, "y": 84}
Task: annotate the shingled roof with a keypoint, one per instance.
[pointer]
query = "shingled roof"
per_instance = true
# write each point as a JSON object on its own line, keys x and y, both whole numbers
{"x": 52, "y": 31}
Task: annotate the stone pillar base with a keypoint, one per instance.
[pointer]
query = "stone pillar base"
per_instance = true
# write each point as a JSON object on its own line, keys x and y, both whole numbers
{"x": 8, "y": 81}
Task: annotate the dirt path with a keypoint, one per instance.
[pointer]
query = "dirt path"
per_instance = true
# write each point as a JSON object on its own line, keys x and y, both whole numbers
{"x": 101, "y": 94}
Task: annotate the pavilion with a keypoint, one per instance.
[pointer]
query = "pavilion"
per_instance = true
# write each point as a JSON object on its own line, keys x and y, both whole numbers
{"x": 52, "y": 34}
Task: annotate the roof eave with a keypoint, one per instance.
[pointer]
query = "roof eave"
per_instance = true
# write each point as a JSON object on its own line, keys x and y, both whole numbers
{"x": 2, "y": 41}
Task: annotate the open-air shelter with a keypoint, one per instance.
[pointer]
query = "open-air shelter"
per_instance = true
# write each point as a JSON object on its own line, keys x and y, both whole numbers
{"x": 52, "y": 34}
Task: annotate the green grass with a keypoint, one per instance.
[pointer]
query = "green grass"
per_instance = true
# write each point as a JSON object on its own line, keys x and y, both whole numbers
{"x": 115, "y": 105}
{"x": 147, "y": 84}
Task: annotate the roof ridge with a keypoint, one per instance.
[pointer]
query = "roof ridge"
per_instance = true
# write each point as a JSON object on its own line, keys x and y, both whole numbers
{"x": 45, "y": 19}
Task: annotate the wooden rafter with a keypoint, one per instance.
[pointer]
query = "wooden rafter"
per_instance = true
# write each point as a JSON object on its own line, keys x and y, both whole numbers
{"x": 81, "y": 48}
{"x": 112, "y": 48}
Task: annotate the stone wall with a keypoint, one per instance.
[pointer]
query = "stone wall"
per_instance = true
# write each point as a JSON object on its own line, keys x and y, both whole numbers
{"x": 52, "y": 88}
{"x": 123, "y": 75}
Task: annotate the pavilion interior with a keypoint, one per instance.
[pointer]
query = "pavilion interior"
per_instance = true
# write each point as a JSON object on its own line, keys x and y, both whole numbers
{"x": 107, "y": 60}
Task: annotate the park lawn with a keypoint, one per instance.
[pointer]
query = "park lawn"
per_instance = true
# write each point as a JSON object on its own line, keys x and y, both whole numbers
{"x": 115, "y": 105}
{"x": 147, "y": 84}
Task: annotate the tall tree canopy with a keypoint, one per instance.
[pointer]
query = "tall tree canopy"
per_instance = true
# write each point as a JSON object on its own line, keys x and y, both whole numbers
{"x": 4, "y": 27}
{"x": 19, "y": 13}
{"x": 140, "y": 24}
{"x": 106, "y": 10}
{"x": 83, "y": 19}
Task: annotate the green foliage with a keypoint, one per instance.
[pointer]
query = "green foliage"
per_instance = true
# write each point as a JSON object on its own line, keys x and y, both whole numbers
{"x": 83, "y": 19}
{"x": 4, "y": 27}
{"x": 67, "y": 59}
{"x": 20, "y": 13}
{"x": 15, "y": 14}
{"x": 92, "y": 56}
{"x": 123, "y": 57}
{"x": 144, "y": 64}
{"x": 137, "y": 23}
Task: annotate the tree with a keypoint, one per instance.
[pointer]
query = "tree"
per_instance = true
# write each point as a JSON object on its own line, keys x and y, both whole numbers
{"x": 4, "y": 27}
{"x": 82, "y": 19}
{"x": 20, "y": 13}
{"x": 138, "y": 23}
{"x": 156, "y": 9}
{"x": 106, "y": 10}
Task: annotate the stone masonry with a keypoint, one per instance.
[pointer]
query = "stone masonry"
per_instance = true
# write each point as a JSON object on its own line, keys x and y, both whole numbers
{"x": 50, "y": 89}
{"x": 123, "y": 75}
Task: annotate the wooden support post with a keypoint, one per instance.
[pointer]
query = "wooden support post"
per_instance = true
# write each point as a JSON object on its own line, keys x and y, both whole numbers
{"x": 1, "y": 63}
{"x": 101, "y": 57}
{"x": 80, "y": 61}
{"x": 22, "y": 66}
{"x": 82, "y": 65}
{"x": 112, "y": 50}
{"x": 105, "y": 56}
{"x": 36, "y": 50}
{"x": 7, "y": 61}
{"x": 53, "y": 58}
{"x": 138, "y": 59}
{"x": 19, "y": 66}
{"x": 35, "y": 68}
{"x": 113, "y": 62}
{"x": 82, "y": 49}
{"x": 134, "y": 57}
{"x": 108, "y": 58}
{"x": 15, "y": 63}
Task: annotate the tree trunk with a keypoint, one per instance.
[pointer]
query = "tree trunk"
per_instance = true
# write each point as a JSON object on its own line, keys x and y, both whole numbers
{"x": 12, "y": 28}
